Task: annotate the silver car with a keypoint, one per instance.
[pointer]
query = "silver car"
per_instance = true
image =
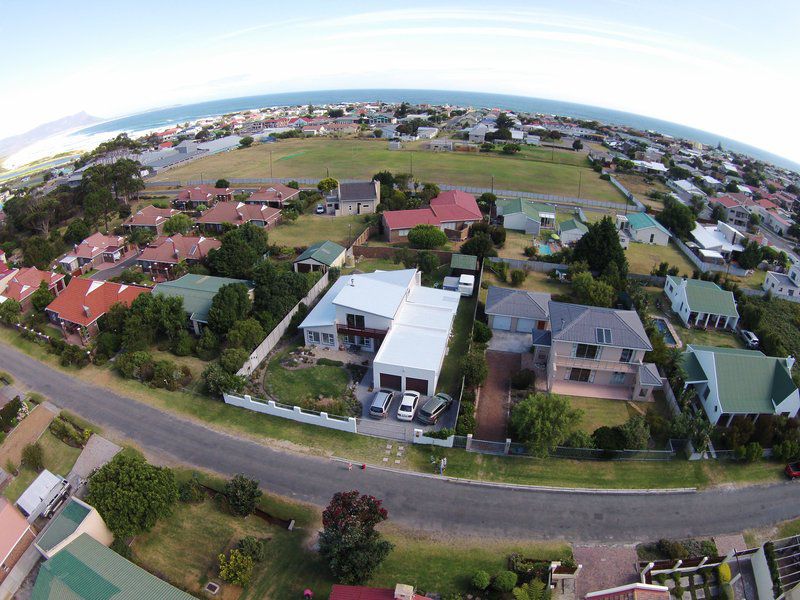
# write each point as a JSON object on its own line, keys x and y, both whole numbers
{"x": 380, "y": 404}
{"x": 750, "y": 339}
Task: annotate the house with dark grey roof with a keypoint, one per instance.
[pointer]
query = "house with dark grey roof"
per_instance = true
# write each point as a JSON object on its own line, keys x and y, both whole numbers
{"x": 515, "y": 315}
{"x": 598, "y": 352}
{"x": 320, "y": 257}
{"x": 729, "y": 383}
{"x": 701, "y": 303}
{"x": 355, "y": 198}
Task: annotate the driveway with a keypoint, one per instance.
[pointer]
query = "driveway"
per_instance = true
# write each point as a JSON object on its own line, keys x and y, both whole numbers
{"x": 510, "y": 341}
{"x": 493, "y": 406}
{"x": 106, "y": 274}
{"x": 425, "y": 503}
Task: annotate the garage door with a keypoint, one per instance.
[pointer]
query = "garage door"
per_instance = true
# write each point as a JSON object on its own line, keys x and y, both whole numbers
{"x": 418, "y": 385}
{"x": 393, "y": 382}
{"x": 502, "y": 323}
{"x": 526, "y": 325}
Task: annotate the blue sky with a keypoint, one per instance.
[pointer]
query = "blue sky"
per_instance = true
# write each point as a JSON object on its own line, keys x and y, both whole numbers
{"x": 727, "y": 67}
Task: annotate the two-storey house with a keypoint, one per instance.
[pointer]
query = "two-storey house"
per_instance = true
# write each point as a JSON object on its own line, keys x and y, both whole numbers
{"x": 354, "y": 198}
{"x": 783, "y": 284}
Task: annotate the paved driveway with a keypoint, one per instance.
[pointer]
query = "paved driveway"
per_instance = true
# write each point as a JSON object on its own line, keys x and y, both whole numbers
{"x": 106, "y": 274}
{"x": 493, "y": 407}
{"x": 510, "y": 341}
{"x": 425, "y": 503}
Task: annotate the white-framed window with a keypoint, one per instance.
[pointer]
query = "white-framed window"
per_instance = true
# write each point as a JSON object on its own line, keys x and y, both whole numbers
{"x": 617, "y": 378}
{"x": 312, "y": 336}
{"x": 328, "y": 339}
{"x": 626, "y": 355}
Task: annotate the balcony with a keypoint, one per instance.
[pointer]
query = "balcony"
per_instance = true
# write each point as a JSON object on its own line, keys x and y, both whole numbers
{"x": 367, "y": 332}
{"x": 596, "y": 365}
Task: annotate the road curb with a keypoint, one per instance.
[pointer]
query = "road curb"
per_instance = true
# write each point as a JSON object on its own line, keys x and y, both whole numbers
{"x": 524, "y": 487}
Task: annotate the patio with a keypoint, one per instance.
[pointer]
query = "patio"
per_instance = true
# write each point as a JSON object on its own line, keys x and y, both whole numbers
{"x": 612, "y": 392}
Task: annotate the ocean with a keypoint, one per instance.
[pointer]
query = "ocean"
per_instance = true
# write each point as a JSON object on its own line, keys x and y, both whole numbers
{"x": 188, "y": 112}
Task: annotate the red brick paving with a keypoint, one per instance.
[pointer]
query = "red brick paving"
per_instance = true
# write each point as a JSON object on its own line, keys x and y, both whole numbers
{"x": 604, "y": 567}
{"x": 492, "y": 413}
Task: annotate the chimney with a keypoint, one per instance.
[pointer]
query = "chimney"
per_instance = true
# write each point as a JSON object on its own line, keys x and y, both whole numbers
{"x": 403, "y": 591}
{"x": 790, "y": 362}
{"x": 87, "y": 311}
{"x": 352, "y": 282}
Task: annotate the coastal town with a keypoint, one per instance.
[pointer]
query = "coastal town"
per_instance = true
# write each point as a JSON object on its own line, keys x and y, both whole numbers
{"x": 471, "y": 300}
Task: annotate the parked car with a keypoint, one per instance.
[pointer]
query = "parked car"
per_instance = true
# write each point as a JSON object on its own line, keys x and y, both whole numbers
{"x": 750, "y": 339}
{"x": 380, "y": 404}
{"x": 320, "y": 210}
{"x": 434, "y": 408}
{"x": 792, "y": 470}
{"x": 408, "y": 406}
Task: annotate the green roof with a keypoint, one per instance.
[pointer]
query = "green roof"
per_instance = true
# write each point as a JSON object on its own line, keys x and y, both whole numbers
{"x": 510, "y": 206}
{"x": 467, "y": 262}
{"x": 197, "y": 292}
{"x": 694, "y": 371}
{"x": 707, "y": 297}
{"x": 572, "y": 224}
{"x": 641, "y": 220}
{"x": 747, "y": 380}
{"x": 63, "y": 525}
{"x": 86, "y": 570}
{"x": 323, "y": 252}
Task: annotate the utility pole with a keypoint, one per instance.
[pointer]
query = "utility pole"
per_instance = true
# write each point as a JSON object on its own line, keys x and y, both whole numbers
{"x": 493, "y": 184}
{"x": 270, "y": 164}
{"x": 580, "y": 177}
{"x": 411, "y": 157}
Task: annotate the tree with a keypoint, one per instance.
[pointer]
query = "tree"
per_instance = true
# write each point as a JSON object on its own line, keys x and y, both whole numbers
{"x": 232, "y": 359}
{"x": 218, "y": 381}
{"x": 426, "y": 236}
{"x": 327, "y": 185}
{"x": 479, "y": 245}
{"x": 42, "y": 297}
{"x": 99, "y": 202}
{"x": 229, "y": 305}
{"x": 241, "y": 250}
{"x": 486, "y": 201}
{"x": 677, "y": 217}
{"x": 543, "y": 421}
{"x": 237, "y": 568}
{"x": 636, "y": 432}
{"x": 246, "y": 141}
{"x": 481, "y": 332}
{"x": 505, "y": 581}
{"x": 38, "y": 252}
{"x": 242, "y": 494}
{"x": 503, "y": 121}
{"x": 385, "y": 178}
{"x": 577, "y": 145}
{"x": 474, "y": 368}
{"x": 427, "y": 262}
{"x": 33, "y": 457}
{"x": 600, "y": 247}
{"x": 591, "y": 291}
{"x": 252, "y": 547}
{"x": 222, "y": 184}
{"x": 131, "y": 494}
{"x": 246, "y": 334}
{"x": 77, "y": 231}
{"x": 717, "y": 213}
{"x": 10, "y": 311}
{"x": 429, "y": 191}
{"x": 349, "y": 542}
{"x": 751, "y": 256}
{"x": 511, "y": 148}
{"x": 179, "y": 223}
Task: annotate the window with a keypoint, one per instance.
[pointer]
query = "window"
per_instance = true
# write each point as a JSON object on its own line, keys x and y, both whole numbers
{"x": 652, "y": 237}
{"x": 586, "y": 351}
{"x": 583, "y": 375}
{"x": 706, "y": 392}
{"x": 355, "y": 321}
{"x": 313, "y": 336}
{"x": 603, "y": 336}
{"x": 626, "y": 356}
{"x": 617, "y": 378}
{"x": 328, "y": 339}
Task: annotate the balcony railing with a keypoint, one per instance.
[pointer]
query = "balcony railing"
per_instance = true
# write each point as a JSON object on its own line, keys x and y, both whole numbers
{"x": 602, "y": 365}
{"x": 367, "y": 332}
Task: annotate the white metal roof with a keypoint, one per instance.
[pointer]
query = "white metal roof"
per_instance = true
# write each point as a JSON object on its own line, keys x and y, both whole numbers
{"x": 710, "y": 238}
{"x": 413, "y": 347}
{"x": 378, "y": 293}
{"x": 38, "y": 491}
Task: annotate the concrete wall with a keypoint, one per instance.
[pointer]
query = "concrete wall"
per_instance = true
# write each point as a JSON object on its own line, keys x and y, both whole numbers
{"x": 294, "y": 413}
{"x": 421, "y": 438}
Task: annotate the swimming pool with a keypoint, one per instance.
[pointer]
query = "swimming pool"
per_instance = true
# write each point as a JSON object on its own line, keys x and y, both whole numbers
{"x": 544, "y": 249}
{"x": 661, "y": 325}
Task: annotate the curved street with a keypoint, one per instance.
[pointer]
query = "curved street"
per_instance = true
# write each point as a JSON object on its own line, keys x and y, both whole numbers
{"x": 453, "y": 508}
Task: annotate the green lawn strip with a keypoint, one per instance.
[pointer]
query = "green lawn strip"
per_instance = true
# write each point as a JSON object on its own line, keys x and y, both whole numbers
{"x": 19, "y": 484}
{"x": 308, "y": 229}
{"x": 450, "y": 376}
{"x": 58, "y": 459}
{"x": 368, "y": 265}
{"x": 599, "y": 411}
{"x": 643, "y": 257}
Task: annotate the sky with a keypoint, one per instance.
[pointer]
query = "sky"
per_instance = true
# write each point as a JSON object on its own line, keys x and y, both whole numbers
{"x": 729, "y": 67}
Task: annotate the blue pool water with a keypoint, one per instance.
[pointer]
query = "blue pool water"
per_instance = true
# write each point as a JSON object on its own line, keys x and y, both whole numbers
{"x": 661, "y": 325}
{"x": 544, "y": 250}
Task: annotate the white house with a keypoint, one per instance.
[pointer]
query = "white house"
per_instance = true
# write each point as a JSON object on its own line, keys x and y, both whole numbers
{"x": 685, "y": 189}
{"x": 520, "y": 214}
{"x": 717, "y": 243}
{"x": 427, "y": 133}
{"x": 730, "y": 382}
{"x": 701, "y": 303}
{"x": 642, "y": 227}
{"x": 392, "y": 314}
{"x": 571, "y": 230}
{"x": 781, "y": 284}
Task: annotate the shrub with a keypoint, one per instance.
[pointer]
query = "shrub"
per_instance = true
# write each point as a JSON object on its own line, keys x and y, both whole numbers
{"x": 242, "y": 494}
{"x": 501, "y": 270}
{"x": 504, "y": 581}
{"x": 253, "y": 547}
{"x": 672, "y": 549}
{"x": 724, "y": 572}
{"x": 232, "y": 359}
{"x": 33, "y": 456}
{"x": 481, "y": 580}
{"x": 190, "y": 492}
{"x": 329, "y": 362}
{"x": 130, "y": 364}
{"x": 786, "y": 450}
{"x": 517, "y": 277}
{"x": 120, "y": 547}
{"x": 474, "y": 368}
{"x": 237, "y": 568}
{"x": 481, "y": 332}
{"x": 579, "y": 439}
{"x": 183, "y": 344}
{"x": 523, "y": 379}
{"x": 69, "y": 433}
{"x": 750, "y": 452}
{"x": 218, "y": 380}
{"x": 74, "y": 355}
{"x": 609, "y": 438}
{"x": 426, "y": 237}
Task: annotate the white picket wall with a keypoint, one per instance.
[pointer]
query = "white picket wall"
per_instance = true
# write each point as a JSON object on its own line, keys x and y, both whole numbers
{"x": 294, "y": 413}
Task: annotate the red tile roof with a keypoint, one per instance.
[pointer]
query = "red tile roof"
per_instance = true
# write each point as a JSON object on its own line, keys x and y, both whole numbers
{"x": 358, "y": 592}
{"x": 406, "y": 219}
{"x": 276, "y": 192}
{"x": 13, "y": 528}
{"x": 466, "y": 202}
{"x": 202, "y": 193}
{"x": 27, "y": 281}
{"x": 97, "y": 243}
{"x": 238, "y": 213}
{"x": 726, "y": 201}
{"x": 86, "y": 300}
{"x": 449, "y": 206}
{"x": 173, "y": 249}
{"x": 150, "y": 216}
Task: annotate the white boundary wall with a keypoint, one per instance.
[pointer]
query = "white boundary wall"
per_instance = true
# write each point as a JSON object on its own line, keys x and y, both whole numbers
{"x": 421, "y": 438}
{"x": 294, "y": 413}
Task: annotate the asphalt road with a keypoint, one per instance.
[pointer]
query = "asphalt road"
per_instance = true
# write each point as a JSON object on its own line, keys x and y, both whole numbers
{"x": 106, "y": 274}
{"x": 425, "y": 503}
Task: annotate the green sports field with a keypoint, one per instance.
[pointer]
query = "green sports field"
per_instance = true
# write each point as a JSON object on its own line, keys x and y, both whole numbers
{"x": 533, "y": 169}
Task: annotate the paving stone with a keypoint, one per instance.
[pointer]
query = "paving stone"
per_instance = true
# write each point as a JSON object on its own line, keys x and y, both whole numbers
{"x": 385, "y": 460}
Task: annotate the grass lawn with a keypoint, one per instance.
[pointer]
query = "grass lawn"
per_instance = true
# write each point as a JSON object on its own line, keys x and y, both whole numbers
{"x": 601, "y": 411}
{"x": 530, "y": 170}
{"x": 450, "y": 377}
{"x": 308, "y": 229}
{"x": 515, "y": 245}
{"x": 58, "y": 459}
{"x": 643, "y": 257}
{"x": 640, "y": 188}
{"x": 303, "y": 387}
{"x": 368, "y": 265}
{"x": 534, "y": 282}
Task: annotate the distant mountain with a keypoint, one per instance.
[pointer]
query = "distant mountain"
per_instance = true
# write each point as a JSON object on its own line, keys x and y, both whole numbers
{"x": 14, "y": 143}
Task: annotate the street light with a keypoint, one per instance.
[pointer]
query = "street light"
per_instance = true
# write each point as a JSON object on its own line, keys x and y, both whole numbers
{"x": 493, "y": 184}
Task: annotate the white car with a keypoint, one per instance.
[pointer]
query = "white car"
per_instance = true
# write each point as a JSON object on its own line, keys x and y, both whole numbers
{"x": 320, "y": 210}
{"x": 408, "y": 406}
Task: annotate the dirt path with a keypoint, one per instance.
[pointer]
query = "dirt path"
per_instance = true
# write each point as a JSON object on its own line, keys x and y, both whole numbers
{"x": 28, "y": 431}
{"x": 492, "y": 410}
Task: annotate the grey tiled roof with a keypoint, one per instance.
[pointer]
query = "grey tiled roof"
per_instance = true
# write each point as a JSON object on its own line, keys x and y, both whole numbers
{"x": 359, "y": 190}
{"x": 648, "y": 375}
{"x": 577, "y": 323}
{"x": 517, "y": 303}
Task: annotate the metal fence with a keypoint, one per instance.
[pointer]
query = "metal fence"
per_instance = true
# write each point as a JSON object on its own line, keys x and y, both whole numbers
{"x": 709, "y": 267}
{"x": 625, "y": 192}
{"x": 528, "y": 265}
{"x": 517, "y": 449}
